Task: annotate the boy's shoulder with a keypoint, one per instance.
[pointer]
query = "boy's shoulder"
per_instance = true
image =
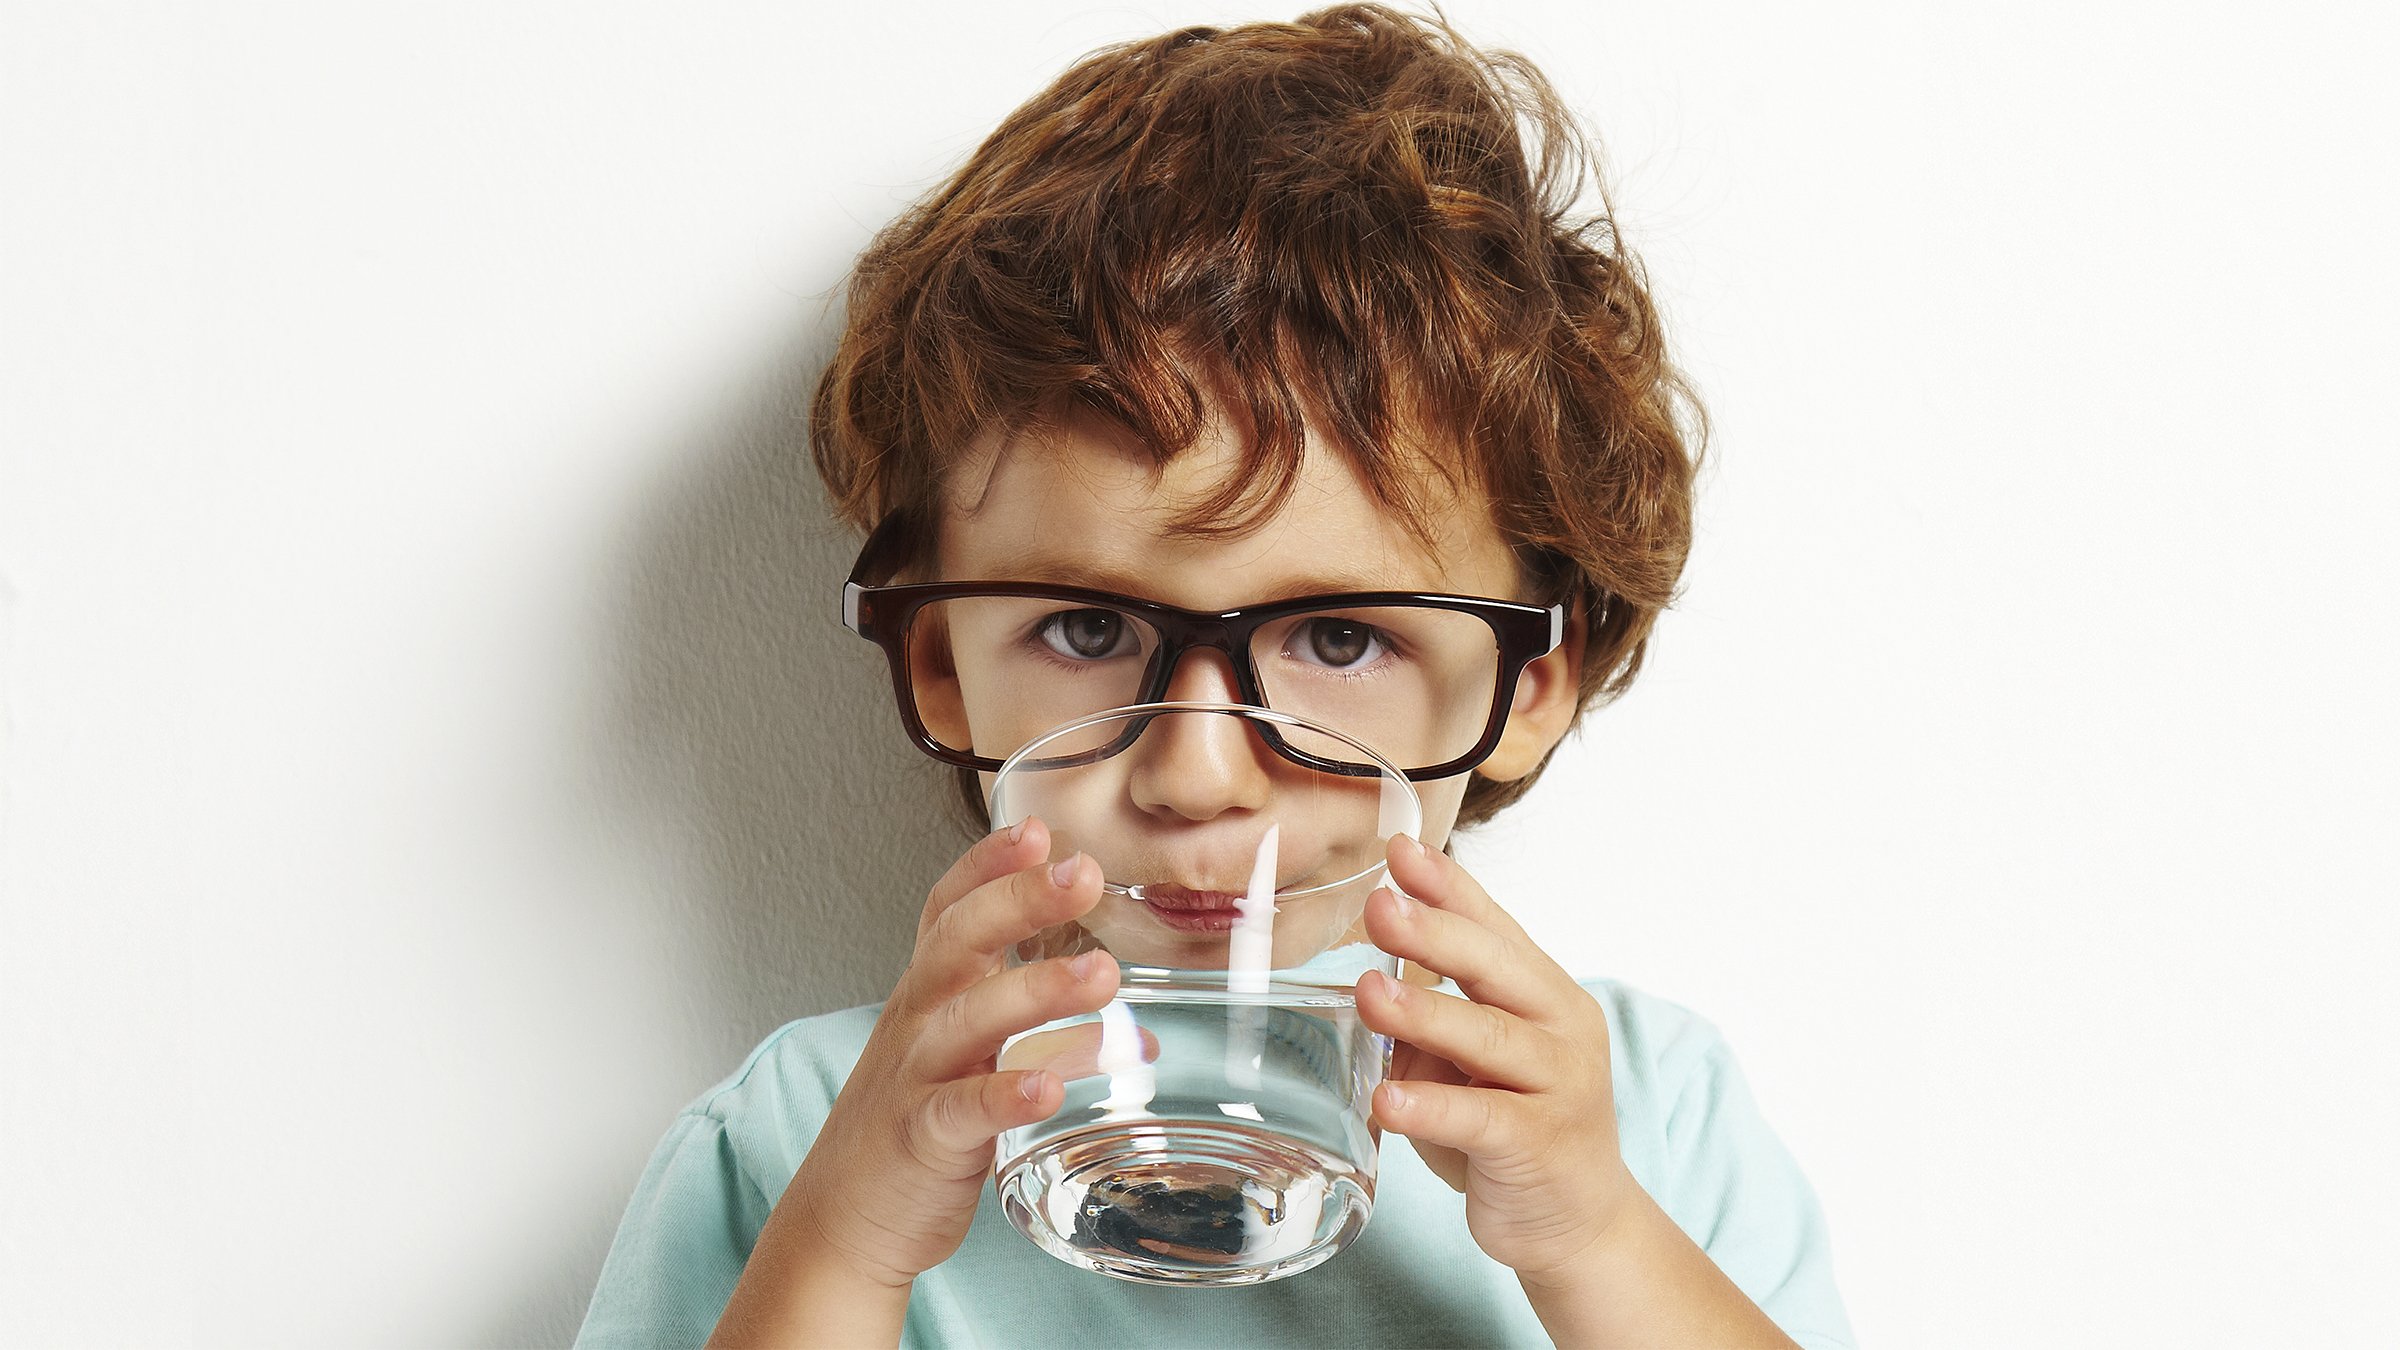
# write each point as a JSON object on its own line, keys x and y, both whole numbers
{"x": 788, "y": 1081}
{"x": 764, "y": 1116}
{"x": 1658, "y": 1049}
{"x": 1655, "y": 1028}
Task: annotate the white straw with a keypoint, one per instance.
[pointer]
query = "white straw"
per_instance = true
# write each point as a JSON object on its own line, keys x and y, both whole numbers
{"x": 1252, "y": 951}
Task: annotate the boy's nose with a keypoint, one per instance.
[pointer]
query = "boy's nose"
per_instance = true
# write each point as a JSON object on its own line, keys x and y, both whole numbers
{"x": 1198, "y": 765}
{"x": 1202, "y": 674}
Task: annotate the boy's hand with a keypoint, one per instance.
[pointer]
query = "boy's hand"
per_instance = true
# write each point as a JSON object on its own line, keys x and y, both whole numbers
{"x": 1506, "y": 1097}
{"x": 892, "y": 1181}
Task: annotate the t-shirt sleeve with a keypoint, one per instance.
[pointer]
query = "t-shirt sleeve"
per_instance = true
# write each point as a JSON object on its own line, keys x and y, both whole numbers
{"x": 1734, "y": 1187}
{"x": 680, "y": 1249}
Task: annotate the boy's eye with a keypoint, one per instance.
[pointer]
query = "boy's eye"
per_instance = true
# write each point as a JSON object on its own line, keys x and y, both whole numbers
{"x": 1338, "y": 643}
{"x": 1087, "y": 634}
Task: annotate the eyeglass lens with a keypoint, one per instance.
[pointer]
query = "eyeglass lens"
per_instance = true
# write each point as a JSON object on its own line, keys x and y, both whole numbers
{"x": 1413, "y": 683}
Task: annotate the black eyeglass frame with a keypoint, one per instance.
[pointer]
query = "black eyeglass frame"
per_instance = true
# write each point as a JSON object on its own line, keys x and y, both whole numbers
{"x": 881, "y": 614}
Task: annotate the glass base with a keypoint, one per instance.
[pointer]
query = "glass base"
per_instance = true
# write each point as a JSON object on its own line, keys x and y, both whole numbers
{"x": 1185, "y": 1202}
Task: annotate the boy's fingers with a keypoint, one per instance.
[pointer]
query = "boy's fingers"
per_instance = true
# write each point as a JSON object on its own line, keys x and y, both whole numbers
{"x": 1412, "y": 1062}
{"x": 1430, "y": 875}
{"x": 969, "y": 1028}
{"x": 964, "y": 940}
{"x": 1502, "y": 969}
{"x": 961, "y": 1118}
{"x": 1479, "y": 1122}
{"x": 1491, "y": 1045}
{"x": 1078, "y": 1051}
{"x": 992, "y": 857}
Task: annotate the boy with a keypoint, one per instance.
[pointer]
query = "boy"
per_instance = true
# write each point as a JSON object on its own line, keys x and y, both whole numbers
{"x": 1222, "y": 318}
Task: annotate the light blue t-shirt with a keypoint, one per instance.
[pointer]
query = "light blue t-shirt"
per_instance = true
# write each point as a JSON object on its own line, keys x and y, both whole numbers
{"x": 1685, "y": 1122}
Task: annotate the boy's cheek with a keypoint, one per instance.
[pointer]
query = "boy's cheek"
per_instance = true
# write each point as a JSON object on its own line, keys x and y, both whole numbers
{"x": 1441, "y": 800}
{"x": 944, "y": 714}
{"x": 940, "y": 704}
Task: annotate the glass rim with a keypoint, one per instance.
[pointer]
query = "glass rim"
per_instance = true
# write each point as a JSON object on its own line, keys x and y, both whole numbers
{"x": 1254, "y": 712}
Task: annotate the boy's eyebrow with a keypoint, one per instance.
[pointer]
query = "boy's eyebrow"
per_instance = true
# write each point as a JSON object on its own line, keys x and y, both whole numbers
{"x": 1103, "y": 577}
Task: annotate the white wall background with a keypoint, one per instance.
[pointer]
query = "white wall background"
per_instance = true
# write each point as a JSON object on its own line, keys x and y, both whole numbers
{"x": 427, "y": 756}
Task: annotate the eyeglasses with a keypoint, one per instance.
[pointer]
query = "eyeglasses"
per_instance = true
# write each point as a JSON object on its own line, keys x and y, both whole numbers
{"x": 1424, "y": 680}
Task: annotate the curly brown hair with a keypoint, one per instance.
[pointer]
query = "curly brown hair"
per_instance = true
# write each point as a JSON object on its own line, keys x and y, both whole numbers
{"x": 1356, "y": 220}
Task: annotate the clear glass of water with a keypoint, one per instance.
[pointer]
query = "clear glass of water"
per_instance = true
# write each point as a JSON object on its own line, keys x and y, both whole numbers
{"x": 1215, "y": 1125}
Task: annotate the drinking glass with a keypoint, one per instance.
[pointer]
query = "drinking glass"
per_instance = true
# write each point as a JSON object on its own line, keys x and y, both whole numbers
{"x": 1215, "y": 1126}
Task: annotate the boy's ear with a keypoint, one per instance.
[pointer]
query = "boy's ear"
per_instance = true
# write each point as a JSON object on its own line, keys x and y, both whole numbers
{"x": 1542, "y": 708}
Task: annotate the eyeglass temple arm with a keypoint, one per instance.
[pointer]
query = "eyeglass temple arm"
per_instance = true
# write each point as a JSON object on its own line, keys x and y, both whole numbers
{"x": 881, "y": 540}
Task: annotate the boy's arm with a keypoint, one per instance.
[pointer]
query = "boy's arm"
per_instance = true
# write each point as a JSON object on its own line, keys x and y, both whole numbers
{"x": 891, "y": 1183}
{"x": 1646, "y": 1283}
{"x": 893, "y": 1176}
{"x": 797, "y": 1290}
{"x": 1506, "y": 1093}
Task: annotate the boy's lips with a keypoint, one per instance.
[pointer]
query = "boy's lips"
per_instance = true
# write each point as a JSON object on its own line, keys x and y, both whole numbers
{"x": 1181, "y": 897}
{"x": 1191, "y": 911}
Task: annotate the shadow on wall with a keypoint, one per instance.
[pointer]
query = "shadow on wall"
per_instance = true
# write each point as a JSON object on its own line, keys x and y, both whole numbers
{"x": 757, "y": 738}
{"x": 764, "y": 731}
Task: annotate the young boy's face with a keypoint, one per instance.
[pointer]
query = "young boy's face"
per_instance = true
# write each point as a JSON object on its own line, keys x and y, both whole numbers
{"x": 1083, "y": 506}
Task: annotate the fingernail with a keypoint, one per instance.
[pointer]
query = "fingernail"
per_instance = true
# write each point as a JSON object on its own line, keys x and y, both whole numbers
{"x": 1402, "y": 905}
{"x": 1063, "y": 876}
{"x": 1030, "y": 1087}
{"x": 1424, "y": 850}
{"x": 1016, "y": 832}
{"x": 1396, "y": 1096}
{"x": 1084, "y": 967}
